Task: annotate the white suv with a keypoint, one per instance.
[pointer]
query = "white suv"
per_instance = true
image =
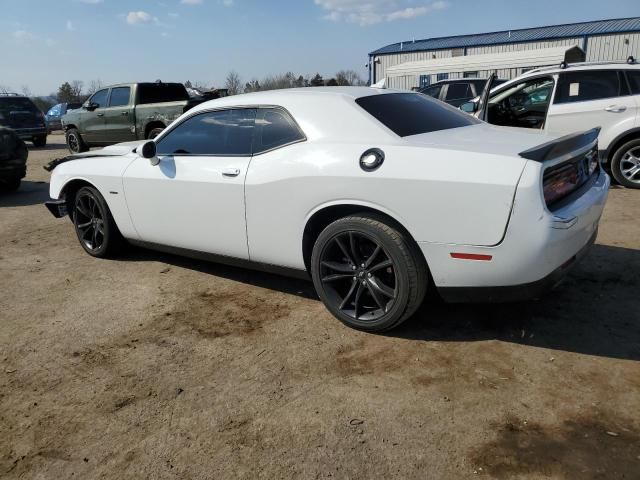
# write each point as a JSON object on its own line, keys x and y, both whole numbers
{"x": 572, "y": 98}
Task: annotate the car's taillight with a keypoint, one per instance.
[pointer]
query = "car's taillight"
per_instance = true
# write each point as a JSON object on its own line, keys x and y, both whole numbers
{"x": 559, "y": 182}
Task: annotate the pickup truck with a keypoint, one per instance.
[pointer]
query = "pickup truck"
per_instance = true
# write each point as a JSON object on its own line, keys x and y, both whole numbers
{"x": 125, "y": 112}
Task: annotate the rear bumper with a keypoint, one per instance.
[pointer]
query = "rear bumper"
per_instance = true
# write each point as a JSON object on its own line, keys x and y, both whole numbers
{"x": 537, "y": 249}
{"x": 13, "y": 169}
{"x": 29, "y": 133}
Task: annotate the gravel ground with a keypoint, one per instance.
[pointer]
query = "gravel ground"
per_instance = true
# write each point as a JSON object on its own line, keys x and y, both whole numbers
{"x": 153, "y": 366}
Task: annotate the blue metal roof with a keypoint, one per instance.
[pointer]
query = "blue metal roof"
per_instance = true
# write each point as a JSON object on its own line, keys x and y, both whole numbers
{"x": 568, "y": 30}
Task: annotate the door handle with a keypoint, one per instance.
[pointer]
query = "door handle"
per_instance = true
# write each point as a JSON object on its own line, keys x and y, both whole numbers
{"x": 616, "y": 108}
{"x": 124, "y": 113}
{"x": 231, "y": 172}
{"x": 100, "y": 114}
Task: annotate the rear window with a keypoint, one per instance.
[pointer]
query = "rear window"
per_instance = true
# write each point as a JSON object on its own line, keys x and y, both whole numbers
{"x": 412, "y": 113}
{"x": 16, "y": 104}
{"x": 161, "y": 92}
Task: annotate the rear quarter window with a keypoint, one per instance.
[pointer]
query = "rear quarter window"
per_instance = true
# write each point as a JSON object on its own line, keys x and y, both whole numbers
{"x": 585, "y": 85}
{"x": 161, "y": 92}
{"x": 412, "y": 113}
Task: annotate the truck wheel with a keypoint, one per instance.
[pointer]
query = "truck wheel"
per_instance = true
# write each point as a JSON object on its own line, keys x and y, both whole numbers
{"x": 154, "y": 132}
{"x": 10, "y": 185}
{"x": 40, "y": 141}
{"x": 75, "y": 142}
{"x": 625, "y": 164}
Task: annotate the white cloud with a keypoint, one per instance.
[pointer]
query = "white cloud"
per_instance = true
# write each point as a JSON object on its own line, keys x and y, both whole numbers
{"x": 173, "y": 15}
{"x": 370, "y": 12}
{"x": 134, "y": 18}
{"x": 69, "y": 26}
{"x": 227, "y": 3}
{"x": 23, "y": 35}
{"x": 192, "y": 2}
{"x": 91, "y": 2}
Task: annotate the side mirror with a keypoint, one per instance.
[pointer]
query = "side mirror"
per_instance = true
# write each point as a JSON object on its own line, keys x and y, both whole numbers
{"x": 92, "y": 106}
{"x": 469, "y": 107}
{"x": 148, "y": 150}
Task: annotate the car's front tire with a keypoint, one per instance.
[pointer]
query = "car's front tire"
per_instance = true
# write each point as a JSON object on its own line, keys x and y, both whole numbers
{"x": 95, "y": 227}
{"x": 40, "y": 141}
{"x": 368, "y": 272}
{"x": 625, "y": 164}
{"x": 75, "y": 142}
{"x": 10, "y": 184}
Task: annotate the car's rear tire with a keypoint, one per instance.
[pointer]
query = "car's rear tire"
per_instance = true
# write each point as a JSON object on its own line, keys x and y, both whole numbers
{"x": 95, "y": 227}
{"x": 154, "y": 132}
{"x": 75, "y": 142}
{"x": 40, "y": 141}
{"x": 625, "y": 164}
{"x": 368, "y": 272}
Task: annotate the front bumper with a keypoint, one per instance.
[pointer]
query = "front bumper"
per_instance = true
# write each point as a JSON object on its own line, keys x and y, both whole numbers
{"x": 29, "y": 133}
{"x": 58, "y": 208}
{"x": 13, "y": 169}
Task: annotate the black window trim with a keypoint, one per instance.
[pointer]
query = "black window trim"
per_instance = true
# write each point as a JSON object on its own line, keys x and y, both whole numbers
{"x": 167, "y": 131}
{"x": 622, "y": 78}
{"x": 107, "y": 98}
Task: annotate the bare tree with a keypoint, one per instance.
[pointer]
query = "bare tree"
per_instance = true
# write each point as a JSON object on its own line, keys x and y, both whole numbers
{"x": 26, "y": 91}
{"x": 233, "y": 83}
{"x": 94, "y": 86}
{"x": 76, "y": 90}
{"x": 349, "y": 77}
{"x": 5, "y": 89}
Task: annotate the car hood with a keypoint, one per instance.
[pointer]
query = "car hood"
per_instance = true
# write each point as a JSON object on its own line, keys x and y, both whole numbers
{"x": 482, "y": 138}
{"x": 117, "y": 150}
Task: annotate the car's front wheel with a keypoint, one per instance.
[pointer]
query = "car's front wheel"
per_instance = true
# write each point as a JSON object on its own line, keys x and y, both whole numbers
{"x": 40, "y": 141}
{"x": 368, "y": 272}
{"x": 625, "y": 164}
{"x": 75, "y": 142}
{"x": 95, "y": 227}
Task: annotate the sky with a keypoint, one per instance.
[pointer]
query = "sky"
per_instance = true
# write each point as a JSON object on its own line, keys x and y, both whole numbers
{"x": 46, "y": 42}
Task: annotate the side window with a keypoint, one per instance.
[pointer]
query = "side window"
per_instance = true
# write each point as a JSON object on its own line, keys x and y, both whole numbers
{"x": 459, "y": 91}
{"x": 100, "y": 98}
{"x": 634, "y": 81}
{"x": 55, "y": 111}
{"x": 433, "y": 91}
{"x": 523, "y": 104}
{"x": 224, "y": 132}
{"x": 119, "y": 96}
{"x": 274, "y": 128}
{"x": 588, "y": 85}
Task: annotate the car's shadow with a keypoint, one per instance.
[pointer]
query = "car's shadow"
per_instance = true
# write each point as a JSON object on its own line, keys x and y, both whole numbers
{"x": 29, "y": 193}
{"x": 594, "y": 312}
{"x": 50, "y": 146}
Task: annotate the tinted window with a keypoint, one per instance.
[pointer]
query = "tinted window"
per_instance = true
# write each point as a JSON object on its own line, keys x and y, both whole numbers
{"x": 55, "y": 111}
{"x": 100, "y": 98}
{"x": 634, "y": 81}
{"x": 161, "y": 92}
{"x": 432, "y": 91}
{"x": 119, "y": 96}
{"x": 459, "y": 91}
{"x": 16, "y": 104}
{"x": 588, "y": 85}
{"x": 274, "y": 128}
{"x": 225, "y": 132}
{"x": 411, "y": 113}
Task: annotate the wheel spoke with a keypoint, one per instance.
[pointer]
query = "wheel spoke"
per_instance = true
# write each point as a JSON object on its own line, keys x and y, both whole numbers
{"x": 338, "y": 267}
{"x": 345, "y": 300}
{"x": 381, "y": 265}
{"x": 377, "y": 285}
{"x": 373, "y": 256}
{"x": 100, "y": 227}
{"x": 354, "y": 250}
{"x": 83, "y": 233}
{"x": 344, "y": 250}
{"x": 337, "y": 276}
{"x": 84, "y": 225}
{"x": 94, "y": 238}
{"x": 356, "y": 303}
{"x": 376, "y": 297}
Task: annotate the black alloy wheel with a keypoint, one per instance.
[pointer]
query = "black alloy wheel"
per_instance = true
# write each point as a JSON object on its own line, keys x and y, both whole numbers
{"x": 94, "y": 225}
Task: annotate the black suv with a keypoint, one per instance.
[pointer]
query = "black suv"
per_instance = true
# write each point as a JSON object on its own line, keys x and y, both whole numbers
{"x": 457, "y": 92}
{"x": 22, "y": 116}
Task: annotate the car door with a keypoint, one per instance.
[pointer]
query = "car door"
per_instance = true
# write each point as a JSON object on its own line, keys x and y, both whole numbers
{"x": 585, "y": 99}
{"x": 118, "y": 116}
{"x": 194, "y": 198}
{"x": 92, "y": 118}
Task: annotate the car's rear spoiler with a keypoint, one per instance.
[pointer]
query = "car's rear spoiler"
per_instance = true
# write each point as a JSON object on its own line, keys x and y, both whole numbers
{"x": 562, "y": 146}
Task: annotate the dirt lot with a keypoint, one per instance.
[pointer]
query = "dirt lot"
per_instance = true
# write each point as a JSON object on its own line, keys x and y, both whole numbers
{"x": 153, "y": 366}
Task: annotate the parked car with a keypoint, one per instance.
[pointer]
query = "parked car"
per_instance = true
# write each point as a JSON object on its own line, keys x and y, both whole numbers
{"x": 13, "y": 160}
{"x": 459, "y": 91}
{"x": 125, "y": 112}
{"x": 21, "y": 115}
{"x": 55, "y": 114}
{"x": 378, "y": 195}
{"x": 568, "y": 98}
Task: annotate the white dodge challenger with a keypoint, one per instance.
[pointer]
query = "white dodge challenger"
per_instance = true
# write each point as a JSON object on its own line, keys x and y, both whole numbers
{"x": 377, "y": 194}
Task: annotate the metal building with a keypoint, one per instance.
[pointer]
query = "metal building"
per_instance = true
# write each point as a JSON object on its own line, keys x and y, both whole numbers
{"x": 421, "y": 62}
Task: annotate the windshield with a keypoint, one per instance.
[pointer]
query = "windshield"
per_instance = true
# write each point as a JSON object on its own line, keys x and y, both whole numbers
{"x": 16, "y": 104}
{"x": 413, "y": 113}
